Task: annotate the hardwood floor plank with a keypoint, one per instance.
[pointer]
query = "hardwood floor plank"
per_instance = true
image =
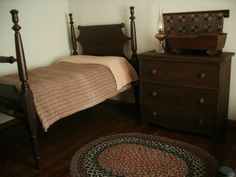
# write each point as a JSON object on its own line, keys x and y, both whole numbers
{"x": 64, "y": 138}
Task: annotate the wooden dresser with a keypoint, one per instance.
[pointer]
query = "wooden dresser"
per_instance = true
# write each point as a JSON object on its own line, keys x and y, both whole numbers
{"x": 185, "y": 92}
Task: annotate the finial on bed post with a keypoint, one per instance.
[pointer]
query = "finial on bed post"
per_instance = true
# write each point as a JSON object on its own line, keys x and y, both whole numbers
{"x": 22, "y": 69}
{"x": 133, "y": 38}
{"x": 26, "y": 94}
{"x": 73, "y": 38}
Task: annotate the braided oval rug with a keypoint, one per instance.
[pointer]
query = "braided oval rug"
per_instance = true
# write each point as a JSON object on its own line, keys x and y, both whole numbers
{"x": 141, "y": 155}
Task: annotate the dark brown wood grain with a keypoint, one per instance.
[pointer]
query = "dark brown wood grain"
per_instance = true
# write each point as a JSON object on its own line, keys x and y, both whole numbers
{"x": 69, "y": 135}
{"x": 73, "y": 38}
{"x": 26, "y": 97}
{"x": 10, "y": 59}
{"x": 102, "y": 40}
{"x": 133, "y": 38}
{"x": 185, "y": 92}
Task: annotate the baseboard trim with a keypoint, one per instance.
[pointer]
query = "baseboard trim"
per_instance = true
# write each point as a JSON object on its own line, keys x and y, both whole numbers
{"x": 232, "y": 123}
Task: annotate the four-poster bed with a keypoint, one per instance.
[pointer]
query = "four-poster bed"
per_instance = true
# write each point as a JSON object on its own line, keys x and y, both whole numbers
{"x": 21, "y": 95}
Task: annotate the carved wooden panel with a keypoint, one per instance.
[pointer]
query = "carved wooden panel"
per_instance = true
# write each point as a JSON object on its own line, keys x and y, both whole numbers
{"x": 195, "y": 22}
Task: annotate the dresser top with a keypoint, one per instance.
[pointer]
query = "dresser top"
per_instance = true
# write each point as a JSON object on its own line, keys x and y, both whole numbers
{"x": 152, "y": 55}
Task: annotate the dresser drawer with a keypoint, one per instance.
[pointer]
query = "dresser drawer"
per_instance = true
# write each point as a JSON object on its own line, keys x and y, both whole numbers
{"x": 179, "y": 96}
{"x": 180, "y": 73}
{"x": 180, "y": 118}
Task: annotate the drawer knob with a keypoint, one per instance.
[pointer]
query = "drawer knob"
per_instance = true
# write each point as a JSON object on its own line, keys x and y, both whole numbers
{"x": 154, "y": 114}
{"x": 201, "y": 100}
{"x": 202, "y": 75}
{"x": 154, "y": 71}
{"x": 154, "y": 93}
{"x": 200, "y": 122}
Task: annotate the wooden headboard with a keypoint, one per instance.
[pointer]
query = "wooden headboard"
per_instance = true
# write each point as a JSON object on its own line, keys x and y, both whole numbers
{"x": 103, "y": 40}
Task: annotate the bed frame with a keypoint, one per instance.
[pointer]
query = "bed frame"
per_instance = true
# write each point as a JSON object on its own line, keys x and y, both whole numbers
{"x": 20, "y": 104}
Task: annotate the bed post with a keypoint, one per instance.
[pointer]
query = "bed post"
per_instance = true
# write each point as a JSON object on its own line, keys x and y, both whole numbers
{"x": 133, "y": 39}
{"x": 73, "y": 38}
{"x": 26, "y": 93}
{"x": 134, "y": 59}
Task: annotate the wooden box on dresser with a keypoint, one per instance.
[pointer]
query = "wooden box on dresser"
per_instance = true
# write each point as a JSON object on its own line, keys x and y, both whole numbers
{"x": 185, "y": 92}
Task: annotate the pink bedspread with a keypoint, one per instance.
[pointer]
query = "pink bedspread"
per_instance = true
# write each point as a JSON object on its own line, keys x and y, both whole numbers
{"x": 62, "y": 89}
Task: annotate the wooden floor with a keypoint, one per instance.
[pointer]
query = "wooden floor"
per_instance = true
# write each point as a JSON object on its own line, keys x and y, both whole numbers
{"x": 64, "y": 138}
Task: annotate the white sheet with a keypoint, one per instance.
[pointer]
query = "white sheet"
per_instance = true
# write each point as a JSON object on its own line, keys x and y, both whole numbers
{"x": 122, "y": 70}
